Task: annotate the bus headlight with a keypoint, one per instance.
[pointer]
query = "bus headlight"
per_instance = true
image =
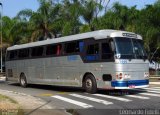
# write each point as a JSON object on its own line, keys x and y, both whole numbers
{"x": 119, "y": 76}
{"x": 127, "y": 76}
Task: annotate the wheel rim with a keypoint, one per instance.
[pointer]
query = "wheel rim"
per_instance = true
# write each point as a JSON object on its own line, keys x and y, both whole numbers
{"x": 88, "y": 83}
{"x": 23, "y": 81}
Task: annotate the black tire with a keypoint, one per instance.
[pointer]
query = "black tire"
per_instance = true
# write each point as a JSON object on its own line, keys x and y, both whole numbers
{"x": 23, "y": 81}
{"x": 90, "y": 84}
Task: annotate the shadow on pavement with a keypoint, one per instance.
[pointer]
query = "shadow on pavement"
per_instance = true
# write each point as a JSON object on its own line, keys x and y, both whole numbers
{"x": 121, "y": 92}
{"x": 52, "y": 88}
{"x": 80, "y": 90}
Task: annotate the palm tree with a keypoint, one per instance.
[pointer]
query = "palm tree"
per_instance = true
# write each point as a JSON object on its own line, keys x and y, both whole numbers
{"x": 133, "y": 19}
{"x": 70, "y": 16}
{"x": 90, "y": 11}
{"x": 120, "y": 16}
{"x": 151, "y": 27}
{"x": 115, "y": 18}
{"x": 40, "y": 23}
{"x": 8, "y": 36}
{"x": 7, "y": 24}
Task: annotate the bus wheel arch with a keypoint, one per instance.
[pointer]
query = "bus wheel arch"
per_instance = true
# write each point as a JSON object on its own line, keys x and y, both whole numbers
{"x": 23, "y": 80}
{"x": 89, "y": 83}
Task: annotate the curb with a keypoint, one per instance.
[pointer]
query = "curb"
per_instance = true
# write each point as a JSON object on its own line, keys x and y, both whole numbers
{"x": 154, "y": 83}
{"x": 33, "y": 105}
{"x": 2, "y": 78}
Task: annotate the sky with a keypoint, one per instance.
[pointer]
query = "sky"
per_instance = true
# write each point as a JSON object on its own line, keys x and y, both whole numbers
{"x": 12, "y": 7}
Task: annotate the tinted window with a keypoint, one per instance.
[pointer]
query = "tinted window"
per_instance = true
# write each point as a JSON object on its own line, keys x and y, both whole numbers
{"x": 72, "y": 47}
{"x": 23, "y": 53}
{"x": 37, "y": 51}
{"x": 81, "y": 46}
{"x": 124, "y": 48}
{"x": 12, "y": 54}
{"x": 139, "y": 49}
{"x": 106, "y": 51}
{"x": 127, "y": 48}
{"x": 53, "y": 49}
{"x": 92, "y": 52}
{"x": 93, "y": 49}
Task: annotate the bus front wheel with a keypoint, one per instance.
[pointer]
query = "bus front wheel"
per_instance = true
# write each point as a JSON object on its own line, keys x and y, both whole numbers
{"x": 23, "y": 81}
{"x": 90, "y": 84}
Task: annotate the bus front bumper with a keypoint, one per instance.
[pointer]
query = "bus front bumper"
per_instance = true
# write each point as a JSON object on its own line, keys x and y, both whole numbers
{"x": 130, "y": 84}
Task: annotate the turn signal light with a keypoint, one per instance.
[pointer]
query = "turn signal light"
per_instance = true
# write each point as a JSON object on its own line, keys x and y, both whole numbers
{"x": 121, "y": 76}
{"x": 146, "y": 75}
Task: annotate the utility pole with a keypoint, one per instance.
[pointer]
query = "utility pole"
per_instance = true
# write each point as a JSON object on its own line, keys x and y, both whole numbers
{"x": 1, "y": 37}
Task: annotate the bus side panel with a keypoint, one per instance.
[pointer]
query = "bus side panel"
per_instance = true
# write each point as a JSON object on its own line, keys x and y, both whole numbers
{"x": 35, "y": 70}
{"x": 61, "y": 71}
{"x": 53, "y": 70}
{"x": 11, "y": 71}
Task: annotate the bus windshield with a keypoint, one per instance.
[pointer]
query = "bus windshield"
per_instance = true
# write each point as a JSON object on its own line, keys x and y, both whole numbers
{"x": 127, "y": 48}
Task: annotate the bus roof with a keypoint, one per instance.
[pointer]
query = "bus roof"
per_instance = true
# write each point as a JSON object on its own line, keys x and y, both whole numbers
{"x": 100, "y": 34}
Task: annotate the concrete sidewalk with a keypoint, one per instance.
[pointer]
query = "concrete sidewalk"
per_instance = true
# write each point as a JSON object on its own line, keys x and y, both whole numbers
{"x": 32, "y": 105}
{"x": 2, "y": 78}
{"x": 154, "y": 83}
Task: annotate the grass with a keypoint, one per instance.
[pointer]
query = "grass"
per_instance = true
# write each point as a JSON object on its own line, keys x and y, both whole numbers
{"x": 8, "y": 106}
{"x": 2, "y": 97}
{"x": 72, "y": 111}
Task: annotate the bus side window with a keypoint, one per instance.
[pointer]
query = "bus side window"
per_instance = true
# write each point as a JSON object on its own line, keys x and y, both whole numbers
{"x": 8, "y": 56}
{"x": 23, "y": 53}
{"x": 59, "y": 47}
{"x": 37, "y": 51}
{"x": 51, "y": 50}
{"x": 106, "y": 51}
{"x": 92, "y": 52}
{"x": 81, "y": 46}
{"x": 93, "y": 49}
{"x": 72, "y": 47}
{"x": 13, "y": 54}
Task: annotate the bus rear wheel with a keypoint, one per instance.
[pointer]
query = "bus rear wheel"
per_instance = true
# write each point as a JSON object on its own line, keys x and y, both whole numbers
{"x": 90, "y": 84}
{"x": 23, "y": 81}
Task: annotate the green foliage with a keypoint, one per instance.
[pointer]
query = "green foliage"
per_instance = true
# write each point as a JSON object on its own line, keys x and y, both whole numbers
{"x": 85, "y": 28}
{"x": 67, "y": 29}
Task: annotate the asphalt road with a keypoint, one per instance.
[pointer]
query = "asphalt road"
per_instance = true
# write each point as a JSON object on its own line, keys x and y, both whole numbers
{"x": 146, "y": 100}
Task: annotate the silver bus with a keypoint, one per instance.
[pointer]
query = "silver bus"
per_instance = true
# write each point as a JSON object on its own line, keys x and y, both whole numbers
{"x": 104, "y": 59}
